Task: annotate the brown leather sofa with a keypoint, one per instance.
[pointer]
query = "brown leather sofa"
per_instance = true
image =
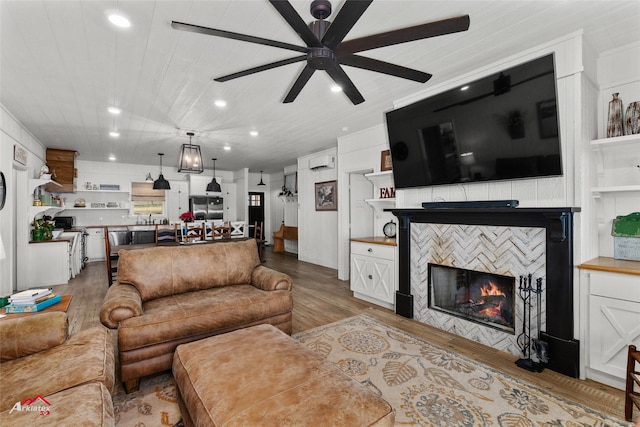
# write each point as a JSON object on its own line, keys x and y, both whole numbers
{"x": 171, "y": 295}
{"x": 48, "y": 378}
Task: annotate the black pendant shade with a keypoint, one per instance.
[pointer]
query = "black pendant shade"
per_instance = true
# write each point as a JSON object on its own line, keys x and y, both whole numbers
{"x": 161, "y": 183}
{"x": 213, "y": 186}
{"x": 261, "y": 183}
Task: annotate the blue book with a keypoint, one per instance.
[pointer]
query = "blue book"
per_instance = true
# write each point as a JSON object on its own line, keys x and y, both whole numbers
{"x": 31, "y": 308}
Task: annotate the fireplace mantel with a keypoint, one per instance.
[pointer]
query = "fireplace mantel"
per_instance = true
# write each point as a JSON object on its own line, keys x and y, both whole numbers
{"x": 558, "y": 223}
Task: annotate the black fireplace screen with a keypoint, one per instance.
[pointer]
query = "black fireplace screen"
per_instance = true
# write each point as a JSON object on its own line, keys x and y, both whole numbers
{"x": 477, "y": 296}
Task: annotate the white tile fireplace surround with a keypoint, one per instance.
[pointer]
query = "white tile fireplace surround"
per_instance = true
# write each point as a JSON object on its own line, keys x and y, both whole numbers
{"x": 503, "y": 250}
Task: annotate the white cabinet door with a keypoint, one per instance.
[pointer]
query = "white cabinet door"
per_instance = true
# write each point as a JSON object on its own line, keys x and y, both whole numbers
{"x": 177, "y": 200}
{"x": 95, "y": 244}
{"x": 373, "y": 276}
{"x": 359, "y": 273}
{"x": 613, "y": 325}
{"x": 230, "y": 200}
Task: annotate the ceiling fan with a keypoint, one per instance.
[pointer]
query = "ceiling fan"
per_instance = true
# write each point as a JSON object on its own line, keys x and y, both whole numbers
{"x": 325, "y": 49}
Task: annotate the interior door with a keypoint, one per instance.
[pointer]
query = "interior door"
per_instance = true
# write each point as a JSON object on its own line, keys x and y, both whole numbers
{"x": 256, "y": 210}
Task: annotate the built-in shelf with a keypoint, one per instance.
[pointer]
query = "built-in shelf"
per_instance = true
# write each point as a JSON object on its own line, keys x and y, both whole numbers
{"x": 102, "y": 191}
{"x": 615, "y": 142}
{"x": 36, "y": 210}
{"x": 96, "y": 209}
{"x": 597, "y": 191}
{"x": 379, "y": 205}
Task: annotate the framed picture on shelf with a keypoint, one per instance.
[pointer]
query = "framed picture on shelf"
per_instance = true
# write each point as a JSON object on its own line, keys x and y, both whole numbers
{"x": 385, "y": 161}
{"x": 326, "y": 196}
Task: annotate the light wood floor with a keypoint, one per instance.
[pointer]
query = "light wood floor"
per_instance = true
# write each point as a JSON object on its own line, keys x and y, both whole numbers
{"x": 320, "y": 298}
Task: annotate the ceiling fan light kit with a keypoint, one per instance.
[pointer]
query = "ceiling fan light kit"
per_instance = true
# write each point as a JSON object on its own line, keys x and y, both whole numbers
{"x": 190, "y": 157}
{"x": 325, "y": 49}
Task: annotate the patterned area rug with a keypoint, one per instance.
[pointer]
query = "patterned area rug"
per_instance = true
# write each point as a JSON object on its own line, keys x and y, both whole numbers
{"x": 426, "y": 384}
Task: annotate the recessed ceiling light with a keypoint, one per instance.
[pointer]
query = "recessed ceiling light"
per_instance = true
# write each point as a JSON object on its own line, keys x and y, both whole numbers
{"x": 344, "y": 129}
{"x": 464, "y": 88}
{"x": 227, "y": 148}
{"x": 112, "y": 157}
{"x": 253, "y": 133}
{"x": 114, "y": 134}
{"x": 114, "y": 110}
{"x": 220, "y": 103}
{"x": 336, "y": 88}
{"x": 119, "y": 21}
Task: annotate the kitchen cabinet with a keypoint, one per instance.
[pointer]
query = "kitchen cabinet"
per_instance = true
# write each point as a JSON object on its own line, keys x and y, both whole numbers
{"x": 198, "y": 185}
{"x": 62, "y": 166}
{"x": 373, "y": 270}
{"x": 177, "y": 200}
{"x": 95, "y": 244}
{"x": 230, "y": 202}
{"x": 613, "y": 315}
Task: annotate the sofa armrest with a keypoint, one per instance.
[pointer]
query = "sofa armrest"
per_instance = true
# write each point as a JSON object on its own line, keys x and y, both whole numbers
{"x": 268, "y": 279}
{"x": 120, "y": 303}
{"x": 32, "y": 334}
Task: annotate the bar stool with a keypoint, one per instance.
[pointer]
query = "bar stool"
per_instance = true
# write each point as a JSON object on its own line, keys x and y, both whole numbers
{"x": 632, "y": 397}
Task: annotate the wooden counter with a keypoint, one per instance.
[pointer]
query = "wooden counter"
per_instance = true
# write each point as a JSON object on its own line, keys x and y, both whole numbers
{"x": 612, "y": 265}
{"x": 389, "y": 241}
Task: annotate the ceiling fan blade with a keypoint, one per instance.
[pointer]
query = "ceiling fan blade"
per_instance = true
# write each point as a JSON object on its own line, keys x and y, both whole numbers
{"x": 302, "y": 80}
{"x": 295, "y": 21}
{"x": 236, "y": 36}
{"x": 261, "y": 68}
{"x": 418, "y": 32}
{"x": 340, "y": 77}
{"x": 349, "y": 14}
{"x": 384, "y": 67}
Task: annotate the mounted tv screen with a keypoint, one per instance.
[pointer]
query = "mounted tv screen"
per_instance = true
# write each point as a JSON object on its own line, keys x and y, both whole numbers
{"x": 503, "y": 126}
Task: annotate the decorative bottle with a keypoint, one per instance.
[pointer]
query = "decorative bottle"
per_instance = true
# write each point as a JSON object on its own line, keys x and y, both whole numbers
{"x": 632, "y": 118}
{"x": 614, "y": 121}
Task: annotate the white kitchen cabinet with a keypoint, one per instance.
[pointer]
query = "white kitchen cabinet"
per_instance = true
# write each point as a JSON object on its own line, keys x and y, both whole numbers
{"x": 48, "y": 264}
{"x": 613, "y": 313}
{"x": 198, "y": 185}
{"x": 95, "y": 244}
{"x": 230, "y": 201}
{"x": 373, "y": 271}
{"x": 177, "y": 200}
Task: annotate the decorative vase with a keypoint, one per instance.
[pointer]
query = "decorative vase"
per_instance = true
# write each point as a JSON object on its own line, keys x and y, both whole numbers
{"x": 632, "y": 118}
{"x": 614, "y": 120}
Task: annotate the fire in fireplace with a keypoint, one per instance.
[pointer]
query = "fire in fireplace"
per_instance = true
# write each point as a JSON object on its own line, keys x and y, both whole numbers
{"x": 480, "y": 297}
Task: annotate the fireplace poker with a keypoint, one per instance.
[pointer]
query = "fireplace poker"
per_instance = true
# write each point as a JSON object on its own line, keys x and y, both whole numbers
{"x": 539, "y": 346}
{"x": 526, "y": 289}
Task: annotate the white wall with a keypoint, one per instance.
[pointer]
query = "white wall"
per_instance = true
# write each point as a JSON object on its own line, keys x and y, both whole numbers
{"x": 317, "y": 230}
{"x": 13, "y": 223}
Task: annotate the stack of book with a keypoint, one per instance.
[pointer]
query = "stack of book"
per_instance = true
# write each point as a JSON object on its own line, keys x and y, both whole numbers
{"x": 31, "y": 300}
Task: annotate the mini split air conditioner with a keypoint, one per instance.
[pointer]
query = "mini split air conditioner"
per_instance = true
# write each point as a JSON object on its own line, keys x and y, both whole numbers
{"x": 322, "y": 162}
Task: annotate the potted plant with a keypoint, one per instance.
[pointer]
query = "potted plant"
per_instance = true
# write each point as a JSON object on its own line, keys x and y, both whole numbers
{"x": 187, "y": 217}
{"x": 42, "y": 229}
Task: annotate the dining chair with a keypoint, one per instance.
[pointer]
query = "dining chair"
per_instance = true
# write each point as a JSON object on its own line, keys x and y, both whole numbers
{"x": 237, "y": 228}
{"x": 194, "y": 233}
{"x": 166, "y": 233}
{"x": 221, "y": 231}
{"x": 258, "y": 234}
{"x": 632, "y": 397}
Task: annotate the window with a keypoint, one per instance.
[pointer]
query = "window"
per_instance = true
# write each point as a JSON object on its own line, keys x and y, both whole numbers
{"x": 146, "y": 200}
{"x": 254, "y": 200}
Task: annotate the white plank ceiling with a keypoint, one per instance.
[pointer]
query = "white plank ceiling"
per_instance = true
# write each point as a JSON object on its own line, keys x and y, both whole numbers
{"x": 62, "y": 64}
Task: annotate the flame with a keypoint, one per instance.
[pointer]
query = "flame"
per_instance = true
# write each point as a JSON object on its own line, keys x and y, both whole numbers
{"x": 491, "y": 289}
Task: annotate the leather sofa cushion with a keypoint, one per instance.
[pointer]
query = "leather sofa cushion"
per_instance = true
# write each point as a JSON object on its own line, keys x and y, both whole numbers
{"x": 193, "y": 313}
{"x": 85, "y": 405}
{"x": 169, "y": 270}
{"x": 23, "y": 336}
{"x": 86, "y": 356}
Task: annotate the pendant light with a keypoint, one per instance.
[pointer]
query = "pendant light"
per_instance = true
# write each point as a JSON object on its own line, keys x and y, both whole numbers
{"x": 190, "y": 157}
{"x": 161, "y": 183}
{"x": 149, "y": 178}
{"x": 261, "y": 183}
{"x": 213, "y": 186}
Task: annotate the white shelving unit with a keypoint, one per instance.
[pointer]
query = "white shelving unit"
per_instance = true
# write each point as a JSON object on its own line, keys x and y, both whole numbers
{"x": 36, "y": 210}
{"x": 381, "y": 180}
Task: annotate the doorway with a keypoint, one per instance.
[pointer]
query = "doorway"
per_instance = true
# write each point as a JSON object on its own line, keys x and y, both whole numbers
{"x": 256, "y": 210}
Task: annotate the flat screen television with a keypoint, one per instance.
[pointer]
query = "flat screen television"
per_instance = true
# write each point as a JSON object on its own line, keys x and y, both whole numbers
{"x": 503, "y": 126}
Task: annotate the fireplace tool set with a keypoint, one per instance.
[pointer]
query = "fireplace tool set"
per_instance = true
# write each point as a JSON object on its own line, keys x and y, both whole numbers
{"x": 526, "y": 344}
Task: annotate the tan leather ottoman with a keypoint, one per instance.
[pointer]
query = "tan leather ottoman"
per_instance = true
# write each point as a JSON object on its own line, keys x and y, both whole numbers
{"x": 260, "y": 376}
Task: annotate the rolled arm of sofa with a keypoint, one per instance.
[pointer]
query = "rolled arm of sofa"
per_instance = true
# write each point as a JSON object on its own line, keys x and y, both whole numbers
{"x": 268, "y": 279}
{"x": 120, "y": 303}
{"x": 28, "y": 335}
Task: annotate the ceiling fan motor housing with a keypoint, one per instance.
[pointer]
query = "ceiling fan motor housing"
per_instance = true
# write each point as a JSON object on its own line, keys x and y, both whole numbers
{"x": 321, "y": 58}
